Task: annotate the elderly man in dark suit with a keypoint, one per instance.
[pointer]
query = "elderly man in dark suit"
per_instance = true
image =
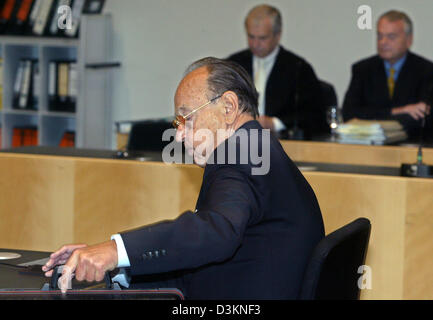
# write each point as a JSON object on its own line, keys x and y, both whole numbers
{"x": 395, "y": 83}
{"x": 289, "y": 91}
{"x": 252, "y": 231}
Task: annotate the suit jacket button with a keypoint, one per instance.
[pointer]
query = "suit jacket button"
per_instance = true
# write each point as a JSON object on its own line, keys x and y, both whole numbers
{"x": 156, "y": 253}
{"x": 163, "y": 252}
{"x": 144, "y": 256}
{"x": 150, "y": 254}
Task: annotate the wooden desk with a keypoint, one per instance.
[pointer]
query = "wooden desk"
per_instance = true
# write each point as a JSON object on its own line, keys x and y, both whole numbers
{"x": 391, "y": 156}
{"x": 48, "y": 201}
{"x": 328, "y": 152}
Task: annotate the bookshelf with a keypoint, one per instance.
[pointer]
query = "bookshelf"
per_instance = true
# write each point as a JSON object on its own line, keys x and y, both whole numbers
{"x": 92, "y": 119}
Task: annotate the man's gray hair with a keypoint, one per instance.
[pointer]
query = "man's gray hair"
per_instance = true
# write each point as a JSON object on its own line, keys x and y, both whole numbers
{"x": 394, "y": 15}
{"x": 264, "y": 10}
{"x": 225, "y": 75}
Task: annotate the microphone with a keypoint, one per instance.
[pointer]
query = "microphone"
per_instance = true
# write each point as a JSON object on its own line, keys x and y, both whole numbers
{"x": 419, "y": 169}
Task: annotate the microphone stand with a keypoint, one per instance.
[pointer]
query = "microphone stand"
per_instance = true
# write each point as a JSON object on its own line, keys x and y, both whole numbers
{"x": 419, "y": 169}
{"x": 296, "y": 133}
{"x": 419, "y": 155}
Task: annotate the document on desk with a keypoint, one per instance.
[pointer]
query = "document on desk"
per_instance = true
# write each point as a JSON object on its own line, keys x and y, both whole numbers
{"x": 370, "y": 132}
{"x": 35, "y": 262}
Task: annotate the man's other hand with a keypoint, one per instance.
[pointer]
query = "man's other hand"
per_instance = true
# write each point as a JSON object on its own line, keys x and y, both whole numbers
{"x": 416, "y": 111}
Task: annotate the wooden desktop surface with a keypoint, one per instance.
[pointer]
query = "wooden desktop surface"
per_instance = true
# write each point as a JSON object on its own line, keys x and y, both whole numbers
{"x": 48, "y": 201}
{"x": 328, "y": 152}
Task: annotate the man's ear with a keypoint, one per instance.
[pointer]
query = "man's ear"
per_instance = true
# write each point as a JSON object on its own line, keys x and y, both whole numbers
{"x": 409, "y": 41}
{"x": 278, "y": 36}
{"x": 231, "y": 106}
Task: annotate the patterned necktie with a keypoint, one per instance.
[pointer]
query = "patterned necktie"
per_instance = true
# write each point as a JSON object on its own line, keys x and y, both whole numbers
{"x": 391, "y": 82}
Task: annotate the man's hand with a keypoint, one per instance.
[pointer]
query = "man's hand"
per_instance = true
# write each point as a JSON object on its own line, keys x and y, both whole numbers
{"x": 416, "y": 111}
{"x": 91, "y": 263}
{"x": 88, "y": 262}
{"x": 266, "y": 122}
{"x": 60, "y": 257}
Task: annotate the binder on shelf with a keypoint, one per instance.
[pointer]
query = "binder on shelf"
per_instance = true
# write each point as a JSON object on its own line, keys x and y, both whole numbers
{"x": 62, "y": 86}
{"x": 17, "y": 84}
{"x": 20, "y": 21}
{"x": 24, "y": 136}
{"x": 72, "y": 85}
{"x": 24, "y": 87}
{"x": 52, "y": 85}
{"x": 23, "y": 101}
{"x": 54, "y": 29}
{"x": 42, "y": 18}
{"x": 35, "y": 85}
{"x": 6, "y": 14}
{"x": 29, "y": 139}
{"x": 17, "y": 139}
{"x": 33, "y": 16}
{"x": 62, "y": 82}
{"x": 68, "y": 139}
{"x": 77, "y": 9}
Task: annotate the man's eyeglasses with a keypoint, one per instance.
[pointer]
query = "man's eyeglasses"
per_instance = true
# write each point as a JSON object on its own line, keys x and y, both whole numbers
{"x": 180, "y": 120}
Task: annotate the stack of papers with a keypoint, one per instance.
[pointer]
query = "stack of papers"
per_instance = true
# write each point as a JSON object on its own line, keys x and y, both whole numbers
{"x": 371, "y": 132}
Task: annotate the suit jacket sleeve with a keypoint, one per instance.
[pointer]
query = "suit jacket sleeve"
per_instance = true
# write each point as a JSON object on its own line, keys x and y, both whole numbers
{"x": 354, "y": 105}
{"x": 426, "y": 92}
{"x": 212, "y": 234}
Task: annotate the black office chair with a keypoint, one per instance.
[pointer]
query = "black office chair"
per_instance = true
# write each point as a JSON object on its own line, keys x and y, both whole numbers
{"x": 332, "y": 272}
{"x": 329, "y": 97}
{"x": 146, "y": 135}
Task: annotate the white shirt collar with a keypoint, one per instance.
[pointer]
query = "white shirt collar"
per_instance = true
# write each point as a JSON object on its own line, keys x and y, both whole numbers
{"x": 270, "y": 58}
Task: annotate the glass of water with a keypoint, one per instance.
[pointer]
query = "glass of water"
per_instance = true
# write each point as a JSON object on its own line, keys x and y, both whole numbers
{"x": 334, "y": 119}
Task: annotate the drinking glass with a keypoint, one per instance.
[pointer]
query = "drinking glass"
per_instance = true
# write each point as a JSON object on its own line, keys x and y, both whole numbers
{"x": 334, "y": 119}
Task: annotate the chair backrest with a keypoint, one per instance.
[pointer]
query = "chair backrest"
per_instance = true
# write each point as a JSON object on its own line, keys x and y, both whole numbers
{"x": 329, "y": 96}
{"x": 332, "y": 272}
{"x": 146, "y": 135}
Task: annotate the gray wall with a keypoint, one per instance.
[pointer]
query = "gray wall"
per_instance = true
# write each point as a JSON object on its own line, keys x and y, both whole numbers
{"x": 156, "y": 39}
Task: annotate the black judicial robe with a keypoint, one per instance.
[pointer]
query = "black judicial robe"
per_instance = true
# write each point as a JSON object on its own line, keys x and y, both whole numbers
{"x": 291, "y": 76}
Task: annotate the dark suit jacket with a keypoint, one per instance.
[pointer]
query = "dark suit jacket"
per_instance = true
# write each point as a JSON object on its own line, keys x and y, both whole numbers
{"x": 251, "y": 235}
{"x": 368, "y": 97}
{"x": 291, "y": 74}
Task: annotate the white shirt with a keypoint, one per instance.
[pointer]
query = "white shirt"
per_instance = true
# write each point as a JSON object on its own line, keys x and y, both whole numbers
{"x": 122, "y": 256}
{"x": 261, "y": 78}
{"x": 122, "y": 261}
